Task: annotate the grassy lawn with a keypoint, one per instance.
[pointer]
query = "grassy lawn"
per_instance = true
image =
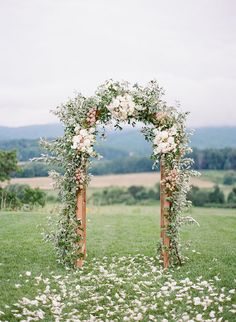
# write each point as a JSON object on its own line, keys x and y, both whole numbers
{"x": 120, "y": 232}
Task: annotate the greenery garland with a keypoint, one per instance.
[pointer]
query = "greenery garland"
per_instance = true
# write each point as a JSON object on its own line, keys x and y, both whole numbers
{"x": 83, "y": 118}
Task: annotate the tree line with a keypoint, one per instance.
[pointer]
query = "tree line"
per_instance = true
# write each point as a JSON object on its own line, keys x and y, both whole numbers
{"x": 204, "y": 160}
{"x": 132, "y": 195}
{"x": 115, "y": 161}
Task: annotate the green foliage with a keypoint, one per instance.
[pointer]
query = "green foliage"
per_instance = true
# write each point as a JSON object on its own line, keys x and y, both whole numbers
{"x": 216, "y": 196}
{"x": 198, "y": 197}
{"x": 129, "y": 155}
{"x": 215, "y": 159}
{"x": 122, "y": 165}
{"x": 17, "y": 195}
{"x": 117, "y": 161}
{"x": 35, "y": 169}
{"x": 25, "y": 149}
{"x": 8, "y": 163}
{"x": 232, "y": 196}
{"x": 128, "y": 196}
{"x": 229, "y": 178}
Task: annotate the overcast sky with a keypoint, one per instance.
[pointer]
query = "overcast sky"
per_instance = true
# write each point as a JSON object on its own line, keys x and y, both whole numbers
{"x": 52, "y": 48}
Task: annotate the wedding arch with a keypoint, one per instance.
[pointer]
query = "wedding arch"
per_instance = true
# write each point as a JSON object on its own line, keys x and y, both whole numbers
{"x": 84, "y": 118}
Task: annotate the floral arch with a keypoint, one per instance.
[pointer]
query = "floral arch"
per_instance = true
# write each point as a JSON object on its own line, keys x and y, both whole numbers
{"x": 83, "y": 117}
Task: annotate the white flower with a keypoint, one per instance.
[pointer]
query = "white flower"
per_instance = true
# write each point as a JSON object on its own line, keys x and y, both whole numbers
{"x": 92, "y": 130}
{"x": 173, "y": 130}
{"x": 122, "y": 107}
{"x": 199, "y": 317}
{"x": 164, "y": 135}
{"x": 17, "y": 285}
{"x": 196, "y": 301}
{"x": 212, "y": 314}
{"x": 83, "y": 132}
{"x": 87, "y": 142}
{"x": 83, "y": 141}
{"x": 164, "y": 141}
{"x": 77, "y": 128}
{"x": 28, "y": 273}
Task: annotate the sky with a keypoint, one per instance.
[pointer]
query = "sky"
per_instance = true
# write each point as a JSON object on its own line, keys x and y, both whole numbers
{"x": 50, "y": 49}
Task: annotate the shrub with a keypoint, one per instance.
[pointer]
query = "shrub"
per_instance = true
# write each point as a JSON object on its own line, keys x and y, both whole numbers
{"x": 198, "y": 197}
{"x": 16, "y": 195}
{"x": 202, "y": 197}
{"x": 216, "y": 196}
{"x": 229, "y": 178}
{"x": 232, "y": 196}
{"x": 131, "y": 195}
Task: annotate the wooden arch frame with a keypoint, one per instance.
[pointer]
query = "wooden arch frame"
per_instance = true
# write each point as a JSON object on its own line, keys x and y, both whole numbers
{"x": 164, "y": 214}
{"x": 121, "y": 102}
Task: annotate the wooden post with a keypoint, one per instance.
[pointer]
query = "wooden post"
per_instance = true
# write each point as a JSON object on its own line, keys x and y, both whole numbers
{"x": 81, "y": 215}
{"x": 164, "y": 217}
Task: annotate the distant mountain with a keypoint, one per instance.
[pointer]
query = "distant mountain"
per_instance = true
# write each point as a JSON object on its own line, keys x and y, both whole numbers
{"x": 30, "y": 132}
{"x": 130, "y": 141}
{"x": 214, "y": 137}
{"x": 203, "y": 138}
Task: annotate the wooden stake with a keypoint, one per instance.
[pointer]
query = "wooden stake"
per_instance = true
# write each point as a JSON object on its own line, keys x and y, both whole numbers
{"x": 165, "y": 205}
{"x": 81, "y": 215}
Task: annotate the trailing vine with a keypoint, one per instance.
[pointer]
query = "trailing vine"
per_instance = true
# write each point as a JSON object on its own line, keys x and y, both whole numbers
{"x": 83, "y": 118}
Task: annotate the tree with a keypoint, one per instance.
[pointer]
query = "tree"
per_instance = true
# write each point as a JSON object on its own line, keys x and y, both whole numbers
{"x": 216, "y": 196}
{"x": 229, "y": 178}
{"x": 199, "y": 197}
{"x": 232, "y": 196}
{"x": 8, "y": 164}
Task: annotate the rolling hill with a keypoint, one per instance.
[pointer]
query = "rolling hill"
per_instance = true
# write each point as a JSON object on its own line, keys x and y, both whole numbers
{"x": 129, "y": 141}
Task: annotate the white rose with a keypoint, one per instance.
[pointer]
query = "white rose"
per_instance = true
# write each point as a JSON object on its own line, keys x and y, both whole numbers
{"x": 79, "y": 137}
{"x": 156, "y": 140}
{"x": 156, "y": 131}
{"x": 77, "y": 128}
{"x": 164, "y": 135}
{"x": 83, "y": 132}
{"x": 76, "y": 140}
{"x": 90, "y": 137}
{"x": 132, "y": 104}
{"x": 171, "y": 140}
{"x": 162, "y": 145}
{"x": 131, "y": 110}
{"x": 92, "y": 130}
{"x": 121, "y": 99}
{"x": 173, "y": 130}
{"x": 87, "y": 142}
{"x": 116, "y": 102}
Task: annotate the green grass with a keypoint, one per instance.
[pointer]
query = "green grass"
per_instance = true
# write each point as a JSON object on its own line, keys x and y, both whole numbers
{"x": 116, "y": 230}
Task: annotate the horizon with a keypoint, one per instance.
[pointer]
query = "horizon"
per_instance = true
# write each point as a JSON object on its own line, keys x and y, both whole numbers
{"x": 126, "y": 126}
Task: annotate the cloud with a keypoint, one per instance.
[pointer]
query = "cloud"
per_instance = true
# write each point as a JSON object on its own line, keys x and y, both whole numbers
{"x": 50, "y": 48}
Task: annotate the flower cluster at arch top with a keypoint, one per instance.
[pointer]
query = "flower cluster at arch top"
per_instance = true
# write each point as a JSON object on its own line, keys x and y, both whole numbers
{"x": 113, "y": 104}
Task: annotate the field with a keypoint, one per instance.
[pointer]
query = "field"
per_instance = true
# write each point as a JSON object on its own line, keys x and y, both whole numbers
{"x": 116, "y": 237}
{"x": 147, "y": 179}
